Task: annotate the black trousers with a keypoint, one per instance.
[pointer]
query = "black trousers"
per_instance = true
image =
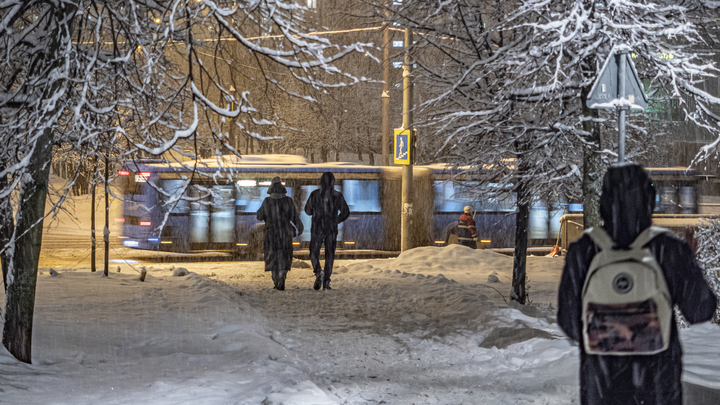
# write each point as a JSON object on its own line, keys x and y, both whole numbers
{"x": 469, "y": 243}
{"x": 315, "y": 242}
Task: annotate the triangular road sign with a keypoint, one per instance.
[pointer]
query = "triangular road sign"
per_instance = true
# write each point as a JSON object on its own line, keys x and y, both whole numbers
{"x": 604, "y": 93}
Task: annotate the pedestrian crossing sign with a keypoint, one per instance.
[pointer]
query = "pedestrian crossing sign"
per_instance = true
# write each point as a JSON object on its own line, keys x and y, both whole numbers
{"x": 403, "y": 147}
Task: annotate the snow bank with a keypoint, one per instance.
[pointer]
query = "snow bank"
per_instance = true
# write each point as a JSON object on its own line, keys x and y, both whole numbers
{"x": 169, "y": 340}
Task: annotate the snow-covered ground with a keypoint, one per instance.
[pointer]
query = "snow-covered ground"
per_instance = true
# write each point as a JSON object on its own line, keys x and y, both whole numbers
{"x": 424, "y": 328}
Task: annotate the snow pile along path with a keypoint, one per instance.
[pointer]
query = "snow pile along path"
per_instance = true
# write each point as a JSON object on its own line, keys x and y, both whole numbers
{"x": 169, "y": 340}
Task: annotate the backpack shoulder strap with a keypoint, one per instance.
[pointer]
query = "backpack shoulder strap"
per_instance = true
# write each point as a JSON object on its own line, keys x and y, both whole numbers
{"x": 646, "y": 236}
{"x": 601, "y": 238}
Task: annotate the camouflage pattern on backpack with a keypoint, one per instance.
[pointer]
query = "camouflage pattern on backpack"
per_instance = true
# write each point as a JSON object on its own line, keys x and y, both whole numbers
{"x": 626, "y": 304}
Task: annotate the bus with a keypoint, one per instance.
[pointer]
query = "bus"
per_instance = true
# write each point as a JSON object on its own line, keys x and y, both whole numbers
{"x": 211, "y": 204}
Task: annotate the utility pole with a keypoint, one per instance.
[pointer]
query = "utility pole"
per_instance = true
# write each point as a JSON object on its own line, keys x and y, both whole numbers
{"x": 407, "y": 170}
{"x": 106, "y": 230}
{"x": 386, "y": 97}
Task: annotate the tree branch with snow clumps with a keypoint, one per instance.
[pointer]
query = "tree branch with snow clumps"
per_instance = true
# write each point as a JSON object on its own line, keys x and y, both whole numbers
{"x": 123, "y": 79}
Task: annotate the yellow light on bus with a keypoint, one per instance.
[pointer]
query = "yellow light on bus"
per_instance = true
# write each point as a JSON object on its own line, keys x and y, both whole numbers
{"x": 484, "y": 240}
{"x": 241, "y": 244}
{"x": 166, "y": 242}
{"x": 440, "y": 242}
{"x": 349, "y": 243}
{"x": 296, "y": 243}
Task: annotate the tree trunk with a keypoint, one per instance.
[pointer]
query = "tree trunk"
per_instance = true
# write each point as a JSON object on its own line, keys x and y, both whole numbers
{"x": 521, "y": 228}
{"x": 593, "y": 167}
{"x": 518, "y": 292}
{"x": 6, "y": 229}
{"x": 323, "y": 154}
{"x": 22, "y": 276}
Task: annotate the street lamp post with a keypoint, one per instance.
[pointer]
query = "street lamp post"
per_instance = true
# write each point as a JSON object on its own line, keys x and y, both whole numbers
{"x": 386, "y": 97}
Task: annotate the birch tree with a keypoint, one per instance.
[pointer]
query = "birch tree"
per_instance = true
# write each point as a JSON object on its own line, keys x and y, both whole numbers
{"x": 128, "y": 78}
{"x": 511, "y": 80}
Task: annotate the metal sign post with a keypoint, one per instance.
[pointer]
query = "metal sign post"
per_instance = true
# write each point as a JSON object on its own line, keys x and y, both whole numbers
{"x": 618, "y": 86}
{"x": 623, "y": 109}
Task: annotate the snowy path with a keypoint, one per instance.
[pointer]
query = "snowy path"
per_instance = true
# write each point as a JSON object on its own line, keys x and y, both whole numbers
{"x": 409, "y": 336}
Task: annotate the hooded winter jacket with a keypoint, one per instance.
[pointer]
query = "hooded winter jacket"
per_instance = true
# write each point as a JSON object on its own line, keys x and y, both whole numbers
{"x": 278, "y": 211}
{"x": 626, "y": 206}
{"x": 327, "y": 207}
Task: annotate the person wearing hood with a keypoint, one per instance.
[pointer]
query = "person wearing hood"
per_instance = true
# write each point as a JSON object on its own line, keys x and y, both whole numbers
{"x": 328, "y": 208}
{"x": 282, "y": 224}
{"x": 626, "y": 206}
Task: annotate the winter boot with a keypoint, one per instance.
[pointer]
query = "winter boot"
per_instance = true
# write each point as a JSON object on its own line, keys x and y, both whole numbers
{"x": 274, "y": 275}
{"x": 281, "y": 280}
{"x": 318, "y": 280}
{"x": 326, "y": 285}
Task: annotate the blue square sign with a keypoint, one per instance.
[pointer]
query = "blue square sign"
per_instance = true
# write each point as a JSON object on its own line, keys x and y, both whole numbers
{"x": 402, "y": 147}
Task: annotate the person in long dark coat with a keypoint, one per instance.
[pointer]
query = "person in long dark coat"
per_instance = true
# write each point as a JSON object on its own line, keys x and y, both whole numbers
{"x": 626, "y": 206}
{"x": 282, "y": 224}
{"x": 328, "y": 208}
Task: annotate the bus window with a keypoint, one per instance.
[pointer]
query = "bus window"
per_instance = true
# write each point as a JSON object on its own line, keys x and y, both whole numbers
{"x": 555, "y": 216}
{"x": 223, "y": 214}
{"x": 687, "y": 200}
{"x": 362, "y": 195}
{"x": 667, "y": 200}
{"x": 250, "y": 197}
{"x": 450, "y": 197}
{"x": 538, "y": 221}
{"x": 199, "y": 215}
{"x": 175, "y": 188}
{"x": 445, "y": 200}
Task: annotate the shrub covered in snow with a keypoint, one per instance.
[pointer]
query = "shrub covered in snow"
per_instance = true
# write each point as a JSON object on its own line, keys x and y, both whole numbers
{"x": 708, "y": 255}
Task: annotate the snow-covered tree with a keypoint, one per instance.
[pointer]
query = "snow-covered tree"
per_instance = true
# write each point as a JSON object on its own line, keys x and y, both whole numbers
{"x": 511, "y": 81}
{"x": 708, "y": 255}
{"x": 128, "y": 78}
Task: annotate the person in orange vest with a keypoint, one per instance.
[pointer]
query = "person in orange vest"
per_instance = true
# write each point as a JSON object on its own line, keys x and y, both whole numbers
{"x": 467, "y": 232}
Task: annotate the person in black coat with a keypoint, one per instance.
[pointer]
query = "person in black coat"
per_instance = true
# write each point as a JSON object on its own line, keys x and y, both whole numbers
{"x": 626, "y": 206}
{"x": 328, "y": 208}
{"x": 282, "y": 224}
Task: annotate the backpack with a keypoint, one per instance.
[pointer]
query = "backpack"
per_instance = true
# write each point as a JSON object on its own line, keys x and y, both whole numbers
{"x": 626, "y": 304}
